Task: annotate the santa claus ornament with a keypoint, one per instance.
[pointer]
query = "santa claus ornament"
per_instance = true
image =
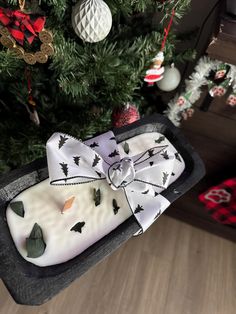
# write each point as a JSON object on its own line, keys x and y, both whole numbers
{"x": 155, "y": 73}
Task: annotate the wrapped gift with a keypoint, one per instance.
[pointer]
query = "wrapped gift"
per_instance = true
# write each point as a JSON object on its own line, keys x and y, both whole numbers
{"x": 62, "y": 214}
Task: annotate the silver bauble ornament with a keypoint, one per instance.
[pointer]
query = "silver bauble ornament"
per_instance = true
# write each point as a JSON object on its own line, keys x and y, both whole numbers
{"x": 91, "y": 20}
{"x": 171, "y": 79}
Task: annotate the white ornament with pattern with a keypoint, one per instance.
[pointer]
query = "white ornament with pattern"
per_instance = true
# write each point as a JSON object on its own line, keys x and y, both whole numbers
{"x": 91, "y": 20}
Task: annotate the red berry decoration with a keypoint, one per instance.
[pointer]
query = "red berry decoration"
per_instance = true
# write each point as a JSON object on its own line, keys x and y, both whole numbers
{"x": 125, "y": 115}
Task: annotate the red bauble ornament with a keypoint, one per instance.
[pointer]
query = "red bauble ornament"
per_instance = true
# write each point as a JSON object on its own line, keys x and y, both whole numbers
{"x": 125, "y": 115}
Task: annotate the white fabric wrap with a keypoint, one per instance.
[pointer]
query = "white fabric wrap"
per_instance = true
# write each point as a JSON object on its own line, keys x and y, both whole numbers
{"x": 142, "y": 177}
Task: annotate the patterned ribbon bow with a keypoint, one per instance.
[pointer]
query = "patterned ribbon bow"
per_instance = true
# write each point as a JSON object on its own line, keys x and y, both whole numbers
{"x": 142, "y": 177}
{"x": 22, "y": 25}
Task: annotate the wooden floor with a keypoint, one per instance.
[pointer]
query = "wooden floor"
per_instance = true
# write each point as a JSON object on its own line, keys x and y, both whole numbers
{"x": 173, "y": 268}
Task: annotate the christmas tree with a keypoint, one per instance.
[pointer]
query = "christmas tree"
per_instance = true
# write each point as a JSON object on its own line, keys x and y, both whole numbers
{"x": 77, "y": 88}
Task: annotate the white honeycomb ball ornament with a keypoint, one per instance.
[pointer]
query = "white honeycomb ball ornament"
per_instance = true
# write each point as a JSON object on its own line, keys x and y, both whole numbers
{"x": 171, "y": 79}
{"x": 91, "y": 20}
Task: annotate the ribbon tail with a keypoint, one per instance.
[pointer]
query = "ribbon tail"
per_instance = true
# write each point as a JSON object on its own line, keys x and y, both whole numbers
{"x": 146, "y": 208}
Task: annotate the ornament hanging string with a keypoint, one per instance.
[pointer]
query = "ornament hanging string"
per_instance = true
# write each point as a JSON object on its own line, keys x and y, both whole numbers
{"x": 28, "y": 78}
{"x": 167, "y": 30}
{"x": 155, "y": 73}
{"x": 31, "y": 104}
{"x": 22, "y": 4}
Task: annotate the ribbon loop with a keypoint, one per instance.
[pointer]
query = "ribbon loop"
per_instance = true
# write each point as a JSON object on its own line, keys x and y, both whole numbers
{"x": 21, "y": 25}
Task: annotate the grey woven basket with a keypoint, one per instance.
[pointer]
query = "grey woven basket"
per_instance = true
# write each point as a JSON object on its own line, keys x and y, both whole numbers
{"x": 32, "y": 285}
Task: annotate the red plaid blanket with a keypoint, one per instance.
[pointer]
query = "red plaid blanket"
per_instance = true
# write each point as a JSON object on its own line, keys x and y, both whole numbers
{"x": 220, "y": 202}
